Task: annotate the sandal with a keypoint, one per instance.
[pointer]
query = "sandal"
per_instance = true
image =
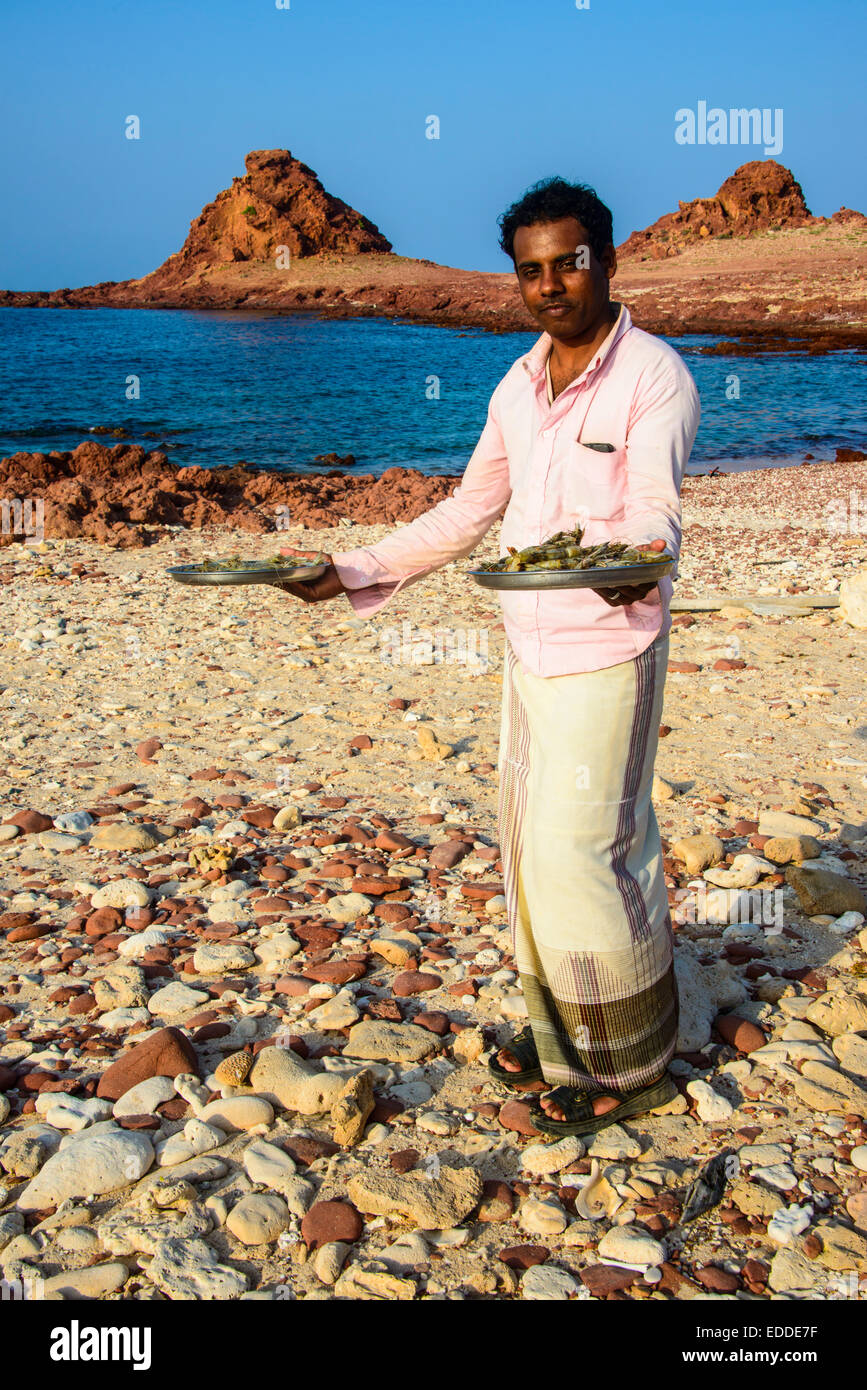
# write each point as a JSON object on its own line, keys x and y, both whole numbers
{"x": 577, "y": 1107}
{"x": 523, "y": 1049}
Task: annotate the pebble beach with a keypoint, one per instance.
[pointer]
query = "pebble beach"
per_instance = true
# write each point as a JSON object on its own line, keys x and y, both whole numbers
{"x": 255, "y": 956}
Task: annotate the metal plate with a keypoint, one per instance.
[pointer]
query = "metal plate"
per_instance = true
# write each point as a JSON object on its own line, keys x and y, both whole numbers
{"x": 610, "y": 577}
{"x": 270, "y": 574}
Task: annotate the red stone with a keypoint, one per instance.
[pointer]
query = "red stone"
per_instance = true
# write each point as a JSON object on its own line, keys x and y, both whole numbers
{"x": 337, "y": 972}
{"x": 739, "y": 1032}
{"x": 145, "y": 750}
{"x": 524, "y": 1256}
{"x": 448, "y": 854}
{"x": 329, "y": 1221}
{"x": 497, "y": 1202}
{"x": 404, "y": 1159}
{"x": 602, "y": 1280}
{"x": 305, "y": 1150}
{"x": 167, "y": 1053}
{"x": 683, "y": 668}
{"x": 434, "y": 1022}
{"x": 30, "y": 821}
{"x": 414, "y": 982}
{"x": 515, "y": 1115}
{"x": 717, "y": 1280}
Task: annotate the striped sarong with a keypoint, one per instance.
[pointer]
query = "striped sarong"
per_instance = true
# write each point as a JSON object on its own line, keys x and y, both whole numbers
{"x": 583, "y": 873}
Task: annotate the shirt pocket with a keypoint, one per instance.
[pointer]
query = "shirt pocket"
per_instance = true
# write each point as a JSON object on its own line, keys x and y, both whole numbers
{"x": 594, "y": 483}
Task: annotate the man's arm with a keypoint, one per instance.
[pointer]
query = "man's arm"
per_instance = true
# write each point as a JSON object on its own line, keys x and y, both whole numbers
{"x": 373, "y": 574}
{"x": 660, "y": 435}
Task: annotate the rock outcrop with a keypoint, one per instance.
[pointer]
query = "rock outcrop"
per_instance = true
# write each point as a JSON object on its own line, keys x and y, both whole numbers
{"x": 114, "y": 494}
{"x": 758, "y": 196}
{"x": 278, "y": 203}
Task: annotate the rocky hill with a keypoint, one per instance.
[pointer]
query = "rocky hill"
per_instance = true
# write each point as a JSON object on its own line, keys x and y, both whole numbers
{"x": 760, "y": 196}
{"x": 278, "y": 203}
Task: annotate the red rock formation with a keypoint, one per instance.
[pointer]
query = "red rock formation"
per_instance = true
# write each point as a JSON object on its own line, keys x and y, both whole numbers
{"x": 279, "y": 202}
{"x": 760, "y": 195}
{"x": 114, "y": 494}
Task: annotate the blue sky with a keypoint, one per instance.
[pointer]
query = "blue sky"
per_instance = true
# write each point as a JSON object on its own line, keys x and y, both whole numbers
{"x": 522, "y": 89}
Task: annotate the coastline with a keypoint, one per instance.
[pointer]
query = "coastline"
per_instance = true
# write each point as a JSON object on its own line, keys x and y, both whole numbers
{"x": 798, "y": 289}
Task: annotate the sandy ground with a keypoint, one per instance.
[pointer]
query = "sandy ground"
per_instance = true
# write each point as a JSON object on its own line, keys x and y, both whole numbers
{"x": 266, "y": 695}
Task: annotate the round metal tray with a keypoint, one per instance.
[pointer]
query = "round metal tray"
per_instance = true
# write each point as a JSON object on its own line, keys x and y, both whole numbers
{"x": 268, "y": 574}
{"x": 608, "y": 577}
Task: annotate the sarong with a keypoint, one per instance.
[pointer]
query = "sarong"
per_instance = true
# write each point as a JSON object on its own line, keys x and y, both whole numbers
{"x": 583, "y": 874}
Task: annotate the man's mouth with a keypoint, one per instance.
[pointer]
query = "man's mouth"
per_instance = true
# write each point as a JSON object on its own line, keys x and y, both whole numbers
{"x": 556, "y": 309}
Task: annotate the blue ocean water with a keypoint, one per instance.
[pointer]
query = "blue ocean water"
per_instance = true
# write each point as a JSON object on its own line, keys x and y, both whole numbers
{"x": 275, "y": 390}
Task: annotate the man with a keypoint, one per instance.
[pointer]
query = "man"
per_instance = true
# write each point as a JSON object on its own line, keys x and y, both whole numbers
{"x": 594, "y": 425}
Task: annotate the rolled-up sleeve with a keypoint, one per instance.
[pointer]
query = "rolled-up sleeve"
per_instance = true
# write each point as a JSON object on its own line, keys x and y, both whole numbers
{"x": 661, "y": 432}
{"x": 372, "y": 575}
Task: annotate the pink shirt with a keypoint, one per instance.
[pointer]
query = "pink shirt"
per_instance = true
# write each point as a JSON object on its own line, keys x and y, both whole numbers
{"x": 531, "y": 467}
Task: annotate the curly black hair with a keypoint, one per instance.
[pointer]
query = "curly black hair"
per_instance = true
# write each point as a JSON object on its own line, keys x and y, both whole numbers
{"x": 548, "y": 201}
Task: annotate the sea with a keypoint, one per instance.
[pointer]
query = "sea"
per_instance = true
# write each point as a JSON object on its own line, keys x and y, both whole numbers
{"x": 274, "y": 390}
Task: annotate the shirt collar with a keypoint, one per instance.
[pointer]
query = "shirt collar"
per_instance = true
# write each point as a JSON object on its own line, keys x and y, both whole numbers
{"x": 534, "y": 362}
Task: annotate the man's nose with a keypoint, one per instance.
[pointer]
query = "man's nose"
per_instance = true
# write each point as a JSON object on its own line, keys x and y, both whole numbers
{"x": 550, "y": 282}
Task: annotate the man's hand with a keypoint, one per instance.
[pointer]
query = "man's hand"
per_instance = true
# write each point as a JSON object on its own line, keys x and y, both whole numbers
{"x": 618, "y": 598}
{"x": 328, "y": 585}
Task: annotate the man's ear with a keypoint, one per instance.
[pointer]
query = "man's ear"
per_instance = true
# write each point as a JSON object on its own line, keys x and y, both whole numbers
{"x": 609, "y": 261}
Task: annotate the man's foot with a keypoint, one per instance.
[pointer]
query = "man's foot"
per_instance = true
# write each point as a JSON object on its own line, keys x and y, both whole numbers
{"x": 601, "y": 1103}
{"x": 508, "y": 1060}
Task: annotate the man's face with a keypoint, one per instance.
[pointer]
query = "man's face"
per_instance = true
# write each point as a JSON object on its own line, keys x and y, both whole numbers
{"x": 562, "y": 283}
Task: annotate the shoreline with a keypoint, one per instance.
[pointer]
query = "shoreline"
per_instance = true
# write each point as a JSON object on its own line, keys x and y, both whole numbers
{"x": 123, "y": 495}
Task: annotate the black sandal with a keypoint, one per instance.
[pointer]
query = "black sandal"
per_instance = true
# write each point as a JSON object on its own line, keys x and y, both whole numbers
{"x": 577, "y": 1107}
{"x": 523, "y": 1049}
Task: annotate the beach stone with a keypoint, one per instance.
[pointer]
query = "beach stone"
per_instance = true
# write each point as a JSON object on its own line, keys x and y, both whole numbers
{"x": 70, "y": 1113}
{"x": 339, "y": 1012}
{"x": 791, "y": 849}
{"x": 516, "y": 1116}
{"x": 777, "y": 1175}
{"x": 258, "y": 1218}
{"x": 330, "y": 1260}
{"x": 398, "y": 948}
{"x": 856, "y": 1206}
{"x": 136, "y": 946}
{"x": 432, "y": 1203}
{"x": 858, "y": 1157}
{"x": 217, "y": 957}
{"x": 791, "y": 1272}
{"x": 346, "y": 907}
{"x": 842, "y": 1248}
{"x": 614, "y": 1143}
{"x": 54, "y": 840}
{"x": 705, "y": 990}
{"x": 238, "y": 1112}
{"x": 839, "y": 1093}
{"x": 90, "y": 1282}
{"x": 783, "y": 823}
{"x": 288, "y": 1082}
{"x": 121, "y": 987}
{"x": 376, "y": 1040}
{"x": 838, "y": 1011}
{"x": 93, "y": 1165}
{"x": 77, "y": 1240}
{"x": 196, "y": 1138}
{"x": 189, "y": 1270}
{"x": 280, "y": 947}
{"x": 122, "y": 836}
{"x": 547, "y": 1283}
{"x": 327, "y": 1223}
{"x": 853, "y": 598}
{"x": 739, "y": 1032}
{"x": 820, "y": 890}
{"x": 626, "y": 1245}
{"x": 267, "y": 1164}
{"x": 497, "y": 1204}
{"x": 712, "y": 1107}
{"x": 699, "y": 852}
{"x": 175, "y": 999}
{"x": 122, "y": 893}
{"x": 850, "y": 1049}
{"x": 287, "y": 818}
{"x": 144, "y": 1098}
{"x": 411, "y": 982}
{"x": 469, "y": 1045}
{"x": 542, "y": 1218}
{"x": 371, "y": 1282}
{"x": 351, "y": 1110}
{"x": 543, "y": 1159}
